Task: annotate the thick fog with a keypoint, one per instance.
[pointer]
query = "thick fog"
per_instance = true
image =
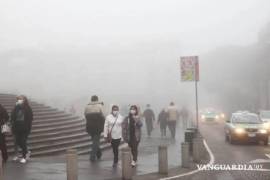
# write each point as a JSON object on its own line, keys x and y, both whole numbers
{"x": 61, "y": 52}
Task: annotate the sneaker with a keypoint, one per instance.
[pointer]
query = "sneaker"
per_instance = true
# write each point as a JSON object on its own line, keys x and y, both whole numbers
{"x": 99, "y": 154}
{"x": 28, "y": 155}
{"x": 133, "y": 163}
{"x": 23, "y": 161}
{"x": 15, "y": 158}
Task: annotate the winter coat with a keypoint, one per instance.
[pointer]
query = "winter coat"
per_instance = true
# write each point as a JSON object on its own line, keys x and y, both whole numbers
{"x": 126, "y": 129}
{"x": 114, "y": 126}
{"x": 173, "y": 114}
{"x": 21, "y": 119}
{"x": 162, "y": 118}
{"x": 149, "y": 114}
{"x": 94, "y": 118}
{"x": 3, "y": 115}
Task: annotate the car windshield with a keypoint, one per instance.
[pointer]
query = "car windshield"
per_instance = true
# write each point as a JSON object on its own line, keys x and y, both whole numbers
{"x": 265, "y": 114}
{"x": 247, "y": 119}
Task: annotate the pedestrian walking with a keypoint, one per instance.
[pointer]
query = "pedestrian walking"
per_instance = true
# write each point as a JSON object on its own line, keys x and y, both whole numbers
{"x": 4, "y": 117}
{"x": 173, "y": 116}
{"x": 149, "y": 117}
{"x": 95, "y": 119}
{"x": 162, "y": 121}
{"x": 21, "y": 120}
{"x": 184, "y": 113}
{"x": 113, "y": 131}
{"x": 132, "y": 132}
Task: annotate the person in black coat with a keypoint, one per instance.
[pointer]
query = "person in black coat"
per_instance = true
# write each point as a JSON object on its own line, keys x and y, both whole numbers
{"x": 21, "y": 120}
{"x": 149, "y": 117}
{"x": 3, "y": 120}
{"x": 95, "y": 119}
{"x": 162, "y": 120}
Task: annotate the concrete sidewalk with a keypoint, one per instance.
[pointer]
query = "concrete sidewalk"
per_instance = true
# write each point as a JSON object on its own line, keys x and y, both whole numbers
{"x": 51, "y": 168}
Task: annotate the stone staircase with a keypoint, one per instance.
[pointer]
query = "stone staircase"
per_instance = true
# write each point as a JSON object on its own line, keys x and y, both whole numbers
{"x": 53, "y": 131}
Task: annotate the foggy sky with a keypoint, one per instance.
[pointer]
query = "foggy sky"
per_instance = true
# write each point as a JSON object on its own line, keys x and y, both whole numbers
{"x": 198, "y": 25}
{"x": 57, "y": 50}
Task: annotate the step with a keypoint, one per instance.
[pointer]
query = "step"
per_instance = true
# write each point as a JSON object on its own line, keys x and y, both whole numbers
{"x": 51, "y": 116}
{"x": 45, "y": 136}
{"x": 57, "y": 123}
{"x": 62, "y": 151}
{"x": 54, "y": 129}
{"x": 62, "y": 121}
{"x": 50, "y": 141}
{"x": 52, "y": 120}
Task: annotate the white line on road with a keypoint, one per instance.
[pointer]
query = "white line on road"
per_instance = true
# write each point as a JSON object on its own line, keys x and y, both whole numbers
{"x": 211, "y": 162}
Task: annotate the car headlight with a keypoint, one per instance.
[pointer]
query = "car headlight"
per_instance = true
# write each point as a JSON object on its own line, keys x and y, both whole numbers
{"x": 239, "y": 131}
{"x": 266, "y": 125}
{"x": 222, "y": 115}
{"x": 263, "y": 131}
{"x": 203, "y": 116}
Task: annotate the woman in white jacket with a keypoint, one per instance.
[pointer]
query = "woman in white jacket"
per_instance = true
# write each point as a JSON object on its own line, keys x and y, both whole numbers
{"x": 113, "y": 131}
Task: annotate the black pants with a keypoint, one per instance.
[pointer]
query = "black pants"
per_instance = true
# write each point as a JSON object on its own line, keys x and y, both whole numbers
{"x": 3, "y": 147}
{"x": 172, "y": 126}
{"x": 149, "y": 126}
{"x": 96, "y": 151}
{"x": 21, "y": 139}
{"x": 115, "y": 145}
{"x": 134, "y": 149}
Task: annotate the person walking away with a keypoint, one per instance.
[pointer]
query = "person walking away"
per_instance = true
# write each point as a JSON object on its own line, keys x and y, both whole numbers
{"x": 162, "y": 121}
{"x": 21, "y": 120}
{"x": 173, "y": 116}
{"x": 95, "y": 119}
{"x": 184, "y": 116}
{"x": 113, "y": 131}
{"x": 131, "y": 130}
{"x": 149, "y": 117}
{"x": 4, "y": 117}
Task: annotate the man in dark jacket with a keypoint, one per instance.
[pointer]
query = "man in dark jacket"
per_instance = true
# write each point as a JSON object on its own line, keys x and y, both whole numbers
{"x": 3, "y": 120}
{"x": 95, "y": 119}
{"x": 21, "y": 120}
{"x": 149, "y": 117}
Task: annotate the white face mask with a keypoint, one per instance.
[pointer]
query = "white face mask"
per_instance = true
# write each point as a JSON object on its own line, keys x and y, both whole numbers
{"x": 115, "y": 113}
{"x": 19, "y": 102}
{"x": 133, "y": 112}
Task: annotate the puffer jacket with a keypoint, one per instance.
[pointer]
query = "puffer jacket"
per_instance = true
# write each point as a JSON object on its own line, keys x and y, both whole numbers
{"x": 173, "y": 113}
{"x": 94, "y": 118}
{"x": 126, "y": 131}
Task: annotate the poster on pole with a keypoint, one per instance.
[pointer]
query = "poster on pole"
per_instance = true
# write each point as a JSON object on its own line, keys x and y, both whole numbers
{"x": 189, "y": 68}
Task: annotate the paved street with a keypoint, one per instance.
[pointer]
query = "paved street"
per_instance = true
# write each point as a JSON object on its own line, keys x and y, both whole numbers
{"x": 226, "y": 153}
{"x": 52, "y": 168}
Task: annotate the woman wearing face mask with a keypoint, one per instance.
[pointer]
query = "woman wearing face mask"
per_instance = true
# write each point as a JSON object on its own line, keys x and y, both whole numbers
{"x": 3, "y": 146}
{"x": 132, "y": 132}
{"x": 113, "y": 131}
{"x": 21, "y": 120}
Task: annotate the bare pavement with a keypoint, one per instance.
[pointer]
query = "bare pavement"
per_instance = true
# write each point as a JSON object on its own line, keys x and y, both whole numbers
{"x": 54, "y": 167}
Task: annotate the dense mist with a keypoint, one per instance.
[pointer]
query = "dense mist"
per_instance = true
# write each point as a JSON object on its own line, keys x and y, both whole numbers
{"x": 62, "y": 52}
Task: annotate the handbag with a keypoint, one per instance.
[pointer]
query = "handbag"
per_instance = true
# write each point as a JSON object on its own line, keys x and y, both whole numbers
{"x": 5, "y": 129}
{"x": 109, "y": 135}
